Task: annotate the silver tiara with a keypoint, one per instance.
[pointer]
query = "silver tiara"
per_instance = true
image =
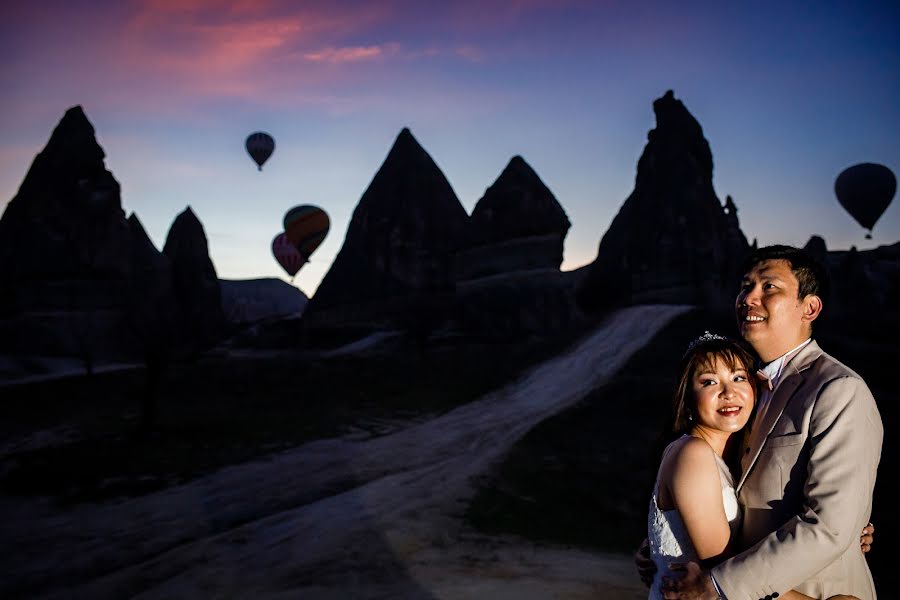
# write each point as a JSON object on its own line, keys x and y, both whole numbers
{"x": 706, "y": 337}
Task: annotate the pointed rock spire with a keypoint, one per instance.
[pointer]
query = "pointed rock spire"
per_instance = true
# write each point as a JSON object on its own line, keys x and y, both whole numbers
{"x": 186, "y": 241}
{"x": 672, "y": 240}
{"x": 75, "y": 139}
{"x": 67, "y": 218}
{"x": 402, "y": 235}
{"x": 195, "y": 281}
{"x": 816, "y": 248}
{"x": 517, "y": 205}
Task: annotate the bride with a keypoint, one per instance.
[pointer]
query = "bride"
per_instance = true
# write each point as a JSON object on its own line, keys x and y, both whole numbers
{"x": 694, "y": 513}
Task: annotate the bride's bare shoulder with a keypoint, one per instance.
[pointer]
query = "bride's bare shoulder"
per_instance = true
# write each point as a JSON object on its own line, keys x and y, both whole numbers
{"x": 691, "y": 452}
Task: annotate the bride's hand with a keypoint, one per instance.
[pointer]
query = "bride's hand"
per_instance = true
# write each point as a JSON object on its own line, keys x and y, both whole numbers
{"x": 867, "y": 537}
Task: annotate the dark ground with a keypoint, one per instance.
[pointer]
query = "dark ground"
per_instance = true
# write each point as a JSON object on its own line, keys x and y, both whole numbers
{"x": 218, "y": 411}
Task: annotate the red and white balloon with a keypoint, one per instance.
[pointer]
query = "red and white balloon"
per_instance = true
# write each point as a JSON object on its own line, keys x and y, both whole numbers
{"x": 287, "y": 254}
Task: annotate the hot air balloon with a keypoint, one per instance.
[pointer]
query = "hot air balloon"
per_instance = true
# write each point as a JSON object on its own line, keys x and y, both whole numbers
{"x": 865, "y": 191}
{"x": 260, "y": 147}
{"x": 287, "y": 254}
{"x": 306, "y": 226}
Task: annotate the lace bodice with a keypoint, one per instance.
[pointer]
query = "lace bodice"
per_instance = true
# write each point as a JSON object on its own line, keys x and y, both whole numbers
{"x": 668, "y": 537}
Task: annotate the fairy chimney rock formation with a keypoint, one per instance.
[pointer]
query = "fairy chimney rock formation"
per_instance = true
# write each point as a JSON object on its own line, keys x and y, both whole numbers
{"x": 816, "y": 248}
{"x": 66, "y": 221}
{"x": 518, "y": 224}
{"x": 401, "y": 238}
{"x": 195, "y": 281}
{"x": 72, "y": 268}
{"x": 672, "y": 240}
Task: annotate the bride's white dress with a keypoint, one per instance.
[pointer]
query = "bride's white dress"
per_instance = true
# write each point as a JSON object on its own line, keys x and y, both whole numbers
{"x": 668, "y": 538}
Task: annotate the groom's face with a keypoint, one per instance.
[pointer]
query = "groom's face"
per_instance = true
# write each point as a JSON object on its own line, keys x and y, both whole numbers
{"x": 769, "y": 313}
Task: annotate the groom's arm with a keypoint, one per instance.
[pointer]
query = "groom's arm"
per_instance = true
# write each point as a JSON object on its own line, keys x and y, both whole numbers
{"x": 844, "y": 437}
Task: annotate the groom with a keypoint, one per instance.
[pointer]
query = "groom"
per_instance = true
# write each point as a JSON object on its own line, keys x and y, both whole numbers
{"x": 810, "y": 459}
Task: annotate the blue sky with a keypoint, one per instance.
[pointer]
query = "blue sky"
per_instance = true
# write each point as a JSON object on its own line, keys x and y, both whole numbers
{"x": 787, "y": 98}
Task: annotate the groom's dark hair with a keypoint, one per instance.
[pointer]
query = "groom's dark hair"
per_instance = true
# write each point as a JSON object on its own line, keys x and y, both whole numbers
{"x": 810, "y": 273}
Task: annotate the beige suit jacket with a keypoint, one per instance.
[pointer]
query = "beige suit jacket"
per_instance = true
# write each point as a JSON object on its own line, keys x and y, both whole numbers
{"x": 809, "y": 470}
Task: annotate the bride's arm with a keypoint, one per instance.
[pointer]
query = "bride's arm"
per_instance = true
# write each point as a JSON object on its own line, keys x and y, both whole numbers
{"x": 696, "y": 492}
{"x": 795, "y": 595}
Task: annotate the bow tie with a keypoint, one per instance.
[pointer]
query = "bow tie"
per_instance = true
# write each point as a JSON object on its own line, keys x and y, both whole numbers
{"x": 764, "y": 379}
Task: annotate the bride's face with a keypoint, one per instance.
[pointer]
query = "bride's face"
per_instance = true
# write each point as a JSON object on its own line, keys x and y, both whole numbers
{"x": 724, "y": 396}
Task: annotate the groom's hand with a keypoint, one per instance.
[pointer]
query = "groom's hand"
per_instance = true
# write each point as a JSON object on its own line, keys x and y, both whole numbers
{"x": 689, "y": 582}
{"x": 646, "y": 568}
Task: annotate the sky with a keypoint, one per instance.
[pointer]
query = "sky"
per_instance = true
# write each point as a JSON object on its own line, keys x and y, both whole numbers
{"x": 788, "y": 95}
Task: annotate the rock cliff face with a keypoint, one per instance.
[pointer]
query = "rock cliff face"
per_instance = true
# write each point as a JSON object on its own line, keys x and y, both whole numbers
{"x": 401, "y": 239}
{"x": 672, "y": 240}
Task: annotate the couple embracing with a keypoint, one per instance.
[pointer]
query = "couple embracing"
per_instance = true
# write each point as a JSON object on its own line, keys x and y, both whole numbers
{"x": 766, "y": 490}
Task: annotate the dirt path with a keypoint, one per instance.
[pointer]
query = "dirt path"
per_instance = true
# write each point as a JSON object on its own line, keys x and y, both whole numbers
{"x": 339, "y": 518}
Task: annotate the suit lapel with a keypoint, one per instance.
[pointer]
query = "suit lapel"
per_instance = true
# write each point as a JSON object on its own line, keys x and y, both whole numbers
{"x": 790, "y": 381}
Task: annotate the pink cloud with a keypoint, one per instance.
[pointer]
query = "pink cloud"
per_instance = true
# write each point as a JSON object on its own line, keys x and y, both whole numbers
{"x": 470, "y": 53}
{"x": 205, "y": 38}
{"x": 174, "y": 56}
{"x": 352, "y": 54}
{"x": 213, "y": 48}
{"x": 220, "y": 49}
{"x": 189, "y": 37}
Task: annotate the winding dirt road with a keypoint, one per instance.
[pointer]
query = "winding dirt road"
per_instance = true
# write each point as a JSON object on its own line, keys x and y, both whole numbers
{"x": 337, "y": 518}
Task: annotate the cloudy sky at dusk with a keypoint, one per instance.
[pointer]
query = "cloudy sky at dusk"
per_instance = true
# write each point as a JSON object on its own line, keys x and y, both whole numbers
{"x": 787, "y": 98}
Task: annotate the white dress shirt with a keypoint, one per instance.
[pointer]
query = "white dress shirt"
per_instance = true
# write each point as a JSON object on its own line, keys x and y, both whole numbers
{"x": 771, "y": 373}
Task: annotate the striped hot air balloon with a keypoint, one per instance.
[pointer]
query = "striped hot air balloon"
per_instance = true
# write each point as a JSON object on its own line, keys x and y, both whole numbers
{"x": 306, "y": 226}
{"x": 287, "y": 254}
